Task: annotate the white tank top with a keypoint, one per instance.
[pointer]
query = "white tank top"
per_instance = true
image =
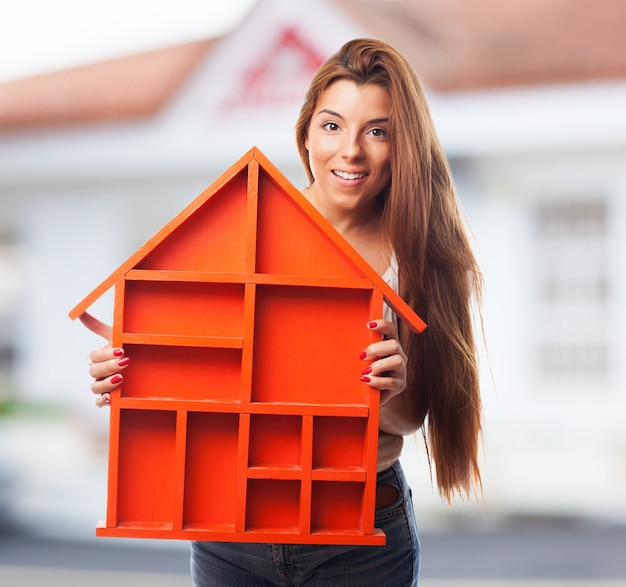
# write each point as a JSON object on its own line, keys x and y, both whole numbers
{"x": 391, "y": 279}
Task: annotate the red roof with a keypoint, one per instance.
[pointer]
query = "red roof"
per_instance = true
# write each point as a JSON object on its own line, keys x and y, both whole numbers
{"x": 124, "y": 88}
{"x": 456, "y": 44}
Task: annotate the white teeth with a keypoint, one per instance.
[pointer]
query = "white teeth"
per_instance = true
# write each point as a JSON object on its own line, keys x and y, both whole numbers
{"x": 345, "y": 175}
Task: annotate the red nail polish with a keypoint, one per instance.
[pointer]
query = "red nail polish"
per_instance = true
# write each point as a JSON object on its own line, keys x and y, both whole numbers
{"x": 118, "y": 353}
{"x": 116, "y": 379}
{"x": 106, "y": 399}
{"x": 366, "y": 371}
{"x": 365, "y": 379}
{"x": 123, "y": 362}
{"x": 372, "y": 324}
{"x": 362, "y": 355}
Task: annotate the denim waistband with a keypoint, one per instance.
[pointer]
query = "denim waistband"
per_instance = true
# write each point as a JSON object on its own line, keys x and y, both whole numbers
{"x": 392, "y": 475}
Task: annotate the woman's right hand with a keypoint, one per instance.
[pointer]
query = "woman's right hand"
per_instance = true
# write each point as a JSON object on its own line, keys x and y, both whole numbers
{"x": 105, "y": 364}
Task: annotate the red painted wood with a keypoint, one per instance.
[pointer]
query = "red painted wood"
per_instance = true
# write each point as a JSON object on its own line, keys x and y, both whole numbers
{"x": 242, "y": 417}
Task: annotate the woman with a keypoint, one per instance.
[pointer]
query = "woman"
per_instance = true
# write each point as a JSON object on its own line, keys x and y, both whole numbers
{"x": 379, "y": 175}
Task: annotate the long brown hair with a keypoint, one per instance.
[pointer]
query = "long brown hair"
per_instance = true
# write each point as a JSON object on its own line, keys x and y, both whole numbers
{"x": 438, "y": 272}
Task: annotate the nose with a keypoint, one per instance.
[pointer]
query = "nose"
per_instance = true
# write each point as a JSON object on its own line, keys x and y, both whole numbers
{"x": 351, "y": 147}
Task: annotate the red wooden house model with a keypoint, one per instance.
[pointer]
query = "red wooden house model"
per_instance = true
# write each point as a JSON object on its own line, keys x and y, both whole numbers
{"x": 223, "y": 428}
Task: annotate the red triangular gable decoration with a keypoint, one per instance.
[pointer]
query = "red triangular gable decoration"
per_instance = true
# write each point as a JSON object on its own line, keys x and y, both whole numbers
{"x": 280, "y": 75}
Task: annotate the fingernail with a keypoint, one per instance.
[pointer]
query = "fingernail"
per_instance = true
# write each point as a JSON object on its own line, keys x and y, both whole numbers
{"x": 366, "y": 371}
{"x": 123, "y": 362}
{"x": 365, "y": 379}
{"x": 118, "y": 353}
{"x": 372, "y": 324}
{"x": 362, "y": 355}
{"x": 106, "y": 399}
{"x": 116, "y": 379}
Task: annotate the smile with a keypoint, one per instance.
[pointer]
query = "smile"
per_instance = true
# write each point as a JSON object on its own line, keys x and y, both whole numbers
{"x": 346, "y": 175}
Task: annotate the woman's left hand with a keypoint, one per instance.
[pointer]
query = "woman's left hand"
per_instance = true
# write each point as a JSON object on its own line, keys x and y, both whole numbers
{"x": 387, "y": 370}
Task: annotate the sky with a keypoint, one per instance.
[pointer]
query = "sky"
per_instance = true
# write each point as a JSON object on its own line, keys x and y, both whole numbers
{"x": 38, "y": 36}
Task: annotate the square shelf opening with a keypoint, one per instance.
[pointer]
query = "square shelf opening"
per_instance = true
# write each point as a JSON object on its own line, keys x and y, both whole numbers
{"x": 339, "y": 442}
{"x": 336, "y": 505}
{"x": 320, "y": 328}
{"x": 275, "y": 441}
{"x": 273, "y": 504}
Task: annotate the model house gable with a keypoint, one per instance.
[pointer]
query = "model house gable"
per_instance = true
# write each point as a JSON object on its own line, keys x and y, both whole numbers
{"x": 252, "y": 221}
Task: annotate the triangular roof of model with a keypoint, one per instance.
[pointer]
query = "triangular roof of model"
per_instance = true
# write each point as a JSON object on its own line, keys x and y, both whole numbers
{"x": 400, "y": 307}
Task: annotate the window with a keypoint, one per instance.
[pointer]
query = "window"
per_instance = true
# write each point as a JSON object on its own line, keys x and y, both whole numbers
{"x": 572, "y": 289}
{"x": 10, "y": 282}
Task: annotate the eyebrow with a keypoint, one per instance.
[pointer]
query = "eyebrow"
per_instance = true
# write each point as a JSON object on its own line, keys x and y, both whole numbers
{"x": 333, "y": 113}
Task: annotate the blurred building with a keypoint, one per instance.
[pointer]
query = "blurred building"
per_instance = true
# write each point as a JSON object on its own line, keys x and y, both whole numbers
{"x": 529, "y": 101}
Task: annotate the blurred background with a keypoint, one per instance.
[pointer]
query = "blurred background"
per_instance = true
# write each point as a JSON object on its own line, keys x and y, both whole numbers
{"x": 100, "y": 149}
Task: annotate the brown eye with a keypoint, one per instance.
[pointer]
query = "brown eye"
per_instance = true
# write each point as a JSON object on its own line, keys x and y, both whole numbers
{"x": 378, "y": 132}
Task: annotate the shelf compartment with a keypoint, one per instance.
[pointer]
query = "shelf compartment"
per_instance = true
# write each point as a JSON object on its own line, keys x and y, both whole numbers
{"x": 339, "y": 442}
{"x": 275, "y": 440}
{"x": 146, "y": 468}
{"x": 281, "y": 221}
{"x": 185, "y": 309}
{"x": 326, "y": 335}
{"x": 190, "y": 373}
{"x": 273, "y": 504}
{"x": 336, "y": 506}
{"x": 210, "y": 239}
{"x": 210, "y": 479}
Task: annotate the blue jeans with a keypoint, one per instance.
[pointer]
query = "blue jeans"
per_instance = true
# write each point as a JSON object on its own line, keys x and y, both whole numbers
{"x": 228, "y": 564}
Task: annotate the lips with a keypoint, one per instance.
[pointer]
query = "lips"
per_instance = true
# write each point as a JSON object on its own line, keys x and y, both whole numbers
{"x": 347, "y": 175}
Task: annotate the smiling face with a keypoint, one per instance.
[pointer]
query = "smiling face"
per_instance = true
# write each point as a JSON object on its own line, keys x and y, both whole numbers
{"x": 348, "y": 146}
